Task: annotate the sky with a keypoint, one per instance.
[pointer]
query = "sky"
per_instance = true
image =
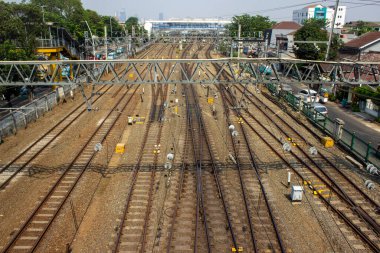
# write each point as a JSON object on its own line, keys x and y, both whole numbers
{"x": 277, "y": 10}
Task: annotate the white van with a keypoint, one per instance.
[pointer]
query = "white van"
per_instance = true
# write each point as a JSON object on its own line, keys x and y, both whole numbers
{"x": 308, "y": 95}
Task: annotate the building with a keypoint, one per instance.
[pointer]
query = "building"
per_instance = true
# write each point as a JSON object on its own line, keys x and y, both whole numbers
{"x": 320, "y": 11}
{"x": 363, "y": 48}
{"x": 185, "y": 24}
{"x": 277, "y": 35}
{"x": 122, "y": 15}
{"x": 160, "y": 16}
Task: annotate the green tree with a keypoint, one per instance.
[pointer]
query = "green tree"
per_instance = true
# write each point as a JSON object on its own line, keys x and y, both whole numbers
{"x": 366, "y": 92}
{"x": 134, "y": 22}
{"x": 314, "y": 30}
{"x": 362, "y": 27}
{"x": 249, "y": 25}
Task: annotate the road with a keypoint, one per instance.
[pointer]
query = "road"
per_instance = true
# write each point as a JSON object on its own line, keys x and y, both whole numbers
{"x": 354, "y": 122}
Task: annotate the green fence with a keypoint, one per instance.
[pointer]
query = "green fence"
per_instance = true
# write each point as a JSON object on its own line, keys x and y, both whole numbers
{"x": 359, "y": 147}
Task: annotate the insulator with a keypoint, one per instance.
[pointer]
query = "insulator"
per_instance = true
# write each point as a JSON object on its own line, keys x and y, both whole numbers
{"x": 168, "y": 165}
{"x": 234, "y": 133}
{"x": 231, "y": 128}
{"x": 170, "y": 156}
{"x": 369, "y": 184}
{"x": 372, "y": 169}
{"x": 286, "y": 146}
{"x": 313, "y": 151}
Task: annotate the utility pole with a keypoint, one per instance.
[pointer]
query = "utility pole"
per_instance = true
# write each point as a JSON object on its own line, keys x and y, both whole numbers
{"x": 332, "y": 30}
{"x": 239, "y": 33}
{"x": 105, "y": 39}
{"x": 93, "y": 42}
{"x": 111, "y": 26}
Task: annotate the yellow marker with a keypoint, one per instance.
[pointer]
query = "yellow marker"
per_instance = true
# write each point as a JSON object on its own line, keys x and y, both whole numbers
{"x": 120, "y": 148}
{"x": 130, "y": 75}
{"x": 240, "y": 249}
{"x": 233, "y": 249}
{"x": 210, "y": 100}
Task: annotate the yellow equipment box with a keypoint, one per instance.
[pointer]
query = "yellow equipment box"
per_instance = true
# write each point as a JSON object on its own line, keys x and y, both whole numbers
{"x": 328, "y": 142}
{"x": 120, "y": 148}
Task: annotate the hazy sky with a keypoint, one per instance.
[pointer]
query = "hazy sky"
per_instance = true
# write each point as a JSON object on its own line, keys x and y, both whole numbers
{"x": 275, "y": 9}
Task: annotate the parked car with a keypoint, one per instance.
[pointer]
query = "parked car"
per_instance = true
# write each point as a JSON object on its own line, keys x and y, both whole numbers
{"x": 309, "y": 97}
{"x": 112, "y": 56}
{"x": 320, "y": 111}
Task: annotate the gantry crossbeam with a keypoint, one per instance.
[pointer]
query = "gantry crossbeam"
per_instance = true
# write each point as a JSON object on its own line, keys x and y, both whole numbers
{"x": 206, "y": 71}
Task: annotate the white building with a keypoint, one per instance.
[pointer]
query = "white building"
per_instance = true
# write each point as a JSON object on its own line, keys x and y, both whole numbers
{"x": 185, "y": 24}
{"x": 320, "y": 11}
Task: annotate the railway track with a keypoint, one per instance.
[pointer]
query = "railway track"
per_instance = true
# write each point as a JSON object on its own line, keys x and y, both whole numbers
{"x": 33, "y": 230}
{"x": 311, "y": 171}
{"x": 25, "y": 158}
{"x": 214, "y": 229}
{"x": 132, "y": 232}
{"x": 264, "y": 233}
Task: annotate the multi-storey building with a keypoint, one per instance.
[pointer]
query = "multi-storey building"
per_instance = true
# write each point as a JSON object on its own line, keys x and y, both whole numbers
{"x": 323, "y": 12}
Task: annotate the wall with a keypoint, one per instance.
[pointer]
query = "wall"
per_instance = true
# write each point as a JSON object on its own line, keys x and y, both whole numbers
{"x": 278, "y": 32}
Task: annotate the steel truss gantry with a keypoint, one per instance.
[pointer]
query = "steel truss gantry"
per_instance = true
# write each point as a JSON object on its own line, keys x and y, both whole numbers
{"x": 149, "y": 71}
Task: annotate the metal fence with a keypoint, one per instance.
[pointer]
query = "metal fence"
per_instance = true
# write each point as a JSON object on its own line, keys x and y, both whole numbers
{"x": 21, "y": 117}
{"x": 359, "y": 147}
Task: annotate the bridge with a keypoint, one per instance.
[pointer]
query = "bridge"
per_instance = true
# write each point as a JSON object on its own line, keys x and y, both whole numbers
{"x": 231, "y": 70}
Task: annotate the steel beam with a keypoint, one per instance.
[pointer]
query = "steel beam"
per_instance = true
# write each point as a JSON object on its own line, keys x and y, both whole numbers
{"x": 140, "y": 71}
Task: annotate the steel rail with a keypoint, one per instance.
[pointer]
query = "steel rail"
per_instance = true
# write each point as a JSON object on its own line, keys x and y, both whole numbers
{"x": 198, "y": 164}
{"x": 373, "y": 202}
{"x": 262, "y": 188}
{"x": 55, "y": 186}
{"x": 255, "y": 167}
{"x": 214, "y": 169}
{"x": 228, "y": 121}
{"x": 68, "y": 169}
{"x": 134, "y": 179}
{"x": 181, "y": 180}
{"x": 339, "y": 191}
{"x": 362, "y": 235}
{"x": 5, "y": 167}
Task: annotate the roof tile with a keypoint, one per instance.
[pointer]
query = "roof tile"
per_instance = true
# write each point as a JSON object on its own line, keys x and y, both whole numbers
{"x": 363, "y": 40}
{"x": 287, "y": 25}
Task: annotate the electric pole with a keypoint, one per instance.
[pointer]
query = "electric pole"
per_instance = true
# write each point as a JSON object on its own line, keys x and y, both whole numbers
{"x": 332, "y": 30}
